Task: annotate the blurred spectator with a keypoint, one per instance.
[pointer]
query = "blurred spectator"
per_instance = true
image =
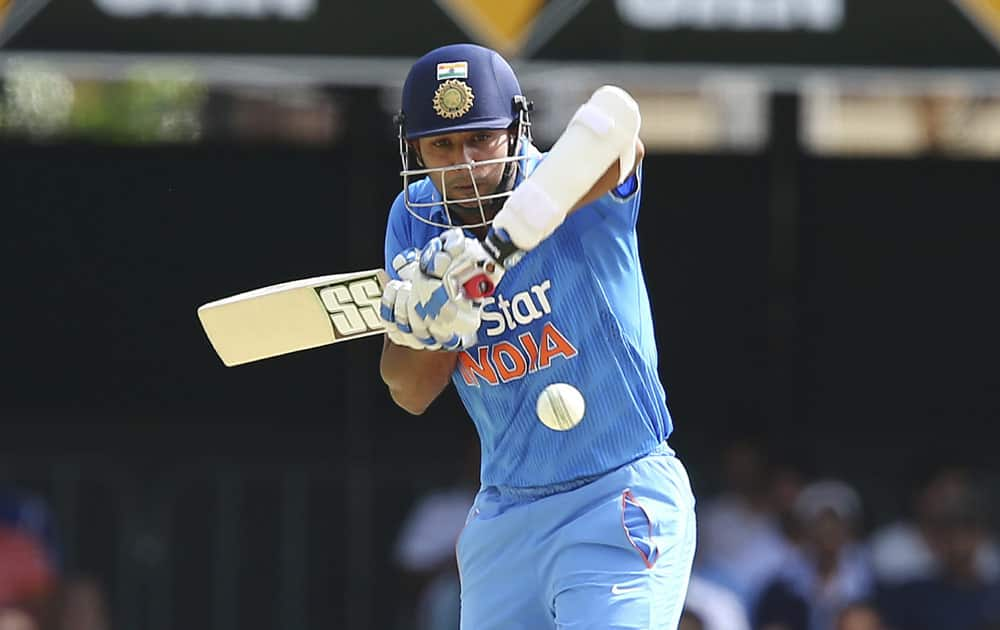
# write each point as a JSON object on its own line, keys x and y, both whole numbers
{"x": 425, "y": 550}
{"x": 859, "y": 616}
{"x": 786, "y": 482}
{"x": 958, "y": 596}
{"x": 713, "y": 607}
{"x": 689, "y": 621}
{"x": 741, "y": 544}
{"x": 28, "y": 560}
{"x": 904, "y": 551}
{"x": 829, "y": 570}
{"x": 82, "y": 606}
{"x": 34, "y": 592}
{"x": 13, "y": 619}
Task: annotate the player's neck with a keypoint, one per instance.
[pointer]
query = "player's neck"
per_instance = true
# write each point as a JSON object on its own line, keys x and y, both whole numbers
{"x": 471, "y": 218}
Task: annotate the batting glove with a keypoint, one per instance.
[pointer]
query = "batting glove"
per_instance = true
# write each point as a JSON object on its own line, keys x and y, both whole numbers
{"x": 456, "y": 259}
{"x": 446, "y": 262}
{"x": 402, "y": 325}
{"x": 405, "y": 318}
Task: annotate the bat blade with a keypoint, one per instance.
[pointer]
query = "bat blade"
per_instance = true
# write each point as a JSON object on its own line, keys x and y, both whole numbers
{"x": 294, "y": 316}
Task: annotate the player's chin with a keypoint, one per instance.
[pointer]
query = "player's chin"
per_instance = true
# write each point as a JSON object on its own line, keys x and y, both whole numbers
{"x": 471, "y": 212}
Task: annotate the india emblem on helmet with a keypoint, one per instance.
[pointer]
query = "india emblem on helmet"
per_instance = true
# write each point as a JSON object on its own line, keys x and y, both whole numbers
{"x": 453, "y": 99}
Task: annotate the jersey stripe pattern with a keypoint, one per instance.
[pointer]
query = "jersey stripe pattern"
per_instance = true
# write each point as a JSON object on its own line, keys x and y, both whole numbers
{"x": 574, "y": 310}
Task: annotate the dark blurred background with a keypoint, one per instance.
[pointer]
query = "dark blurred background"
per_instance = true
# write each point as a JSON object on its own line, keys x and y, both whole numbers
{"x": 819, "y": 233}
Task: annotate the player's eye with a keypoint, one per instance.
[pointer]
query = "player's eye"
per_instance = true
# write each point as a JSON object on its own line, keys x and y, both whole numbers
{"x": 482, "y": 137}
{"x": 441, "y": 144}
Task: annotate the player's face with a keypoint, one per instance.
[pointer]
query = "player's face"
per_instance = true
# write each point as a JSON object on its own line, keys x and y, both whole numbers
{"x": 461, "y": 148}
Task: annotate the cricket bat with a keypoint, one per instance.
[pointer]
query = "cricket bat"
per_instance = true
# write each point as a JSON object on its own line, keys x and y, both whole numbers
{"x": 294, "y": 316}
{"x": 303, "y": 314}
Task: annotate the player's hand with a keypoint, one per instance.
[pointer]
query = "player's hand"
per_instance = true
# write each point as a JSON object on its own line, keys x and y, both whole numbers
{"x": 402, "y": 325}
{"x": 404, "y": 316}
{"x": 456, "y": 259}
{"x": 451, "y": 325}
{"x": 451, "y": 317}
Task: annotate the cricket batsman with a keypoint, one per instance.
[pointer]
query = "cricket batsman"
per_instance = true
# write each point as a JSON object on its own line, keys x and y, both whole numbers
{"x": 516, "y": 276}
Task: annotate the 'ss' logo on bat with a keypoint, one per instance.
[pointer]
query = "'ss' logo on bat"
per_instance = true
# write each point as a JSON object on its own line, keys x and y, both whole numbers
{"x": 353, "y": 305}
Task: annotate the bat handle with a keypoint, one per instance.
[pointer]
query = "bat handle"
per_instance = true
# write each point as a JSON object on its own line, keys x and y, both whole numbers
{"x": 478, "y": 287}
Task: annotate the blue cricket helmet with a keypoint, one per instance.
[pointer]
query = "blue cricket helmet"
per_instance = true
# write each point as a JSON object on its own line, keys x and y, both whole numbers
{"x": 460, "y": 87}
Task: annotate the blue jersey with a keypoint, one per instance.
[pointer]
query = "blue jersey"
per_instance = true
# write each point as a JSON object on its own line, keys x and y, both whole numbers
{"x": 574, "y": 310}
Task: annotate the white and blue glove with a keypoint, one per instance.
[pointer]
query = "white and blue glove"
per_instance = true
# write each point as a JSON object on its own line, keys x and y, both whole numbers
{"x": 396, "y": 310}
{"x": 447, "y": 262}
{"x": 455, "y": 259}
{"x": 406, "y": 318}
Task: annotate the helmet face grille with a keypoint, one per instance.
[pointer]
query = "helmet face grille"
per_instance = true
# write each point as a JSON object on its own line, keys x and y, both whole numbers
{"x": 485, "y": 201}
{"x": 441, "y": 205}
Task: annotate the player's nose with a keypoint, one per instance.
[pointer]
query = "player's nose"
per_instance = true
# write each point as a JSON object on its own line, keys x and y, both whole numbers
{"x": 479, "y": 171}
{"x": 469, "y": 153}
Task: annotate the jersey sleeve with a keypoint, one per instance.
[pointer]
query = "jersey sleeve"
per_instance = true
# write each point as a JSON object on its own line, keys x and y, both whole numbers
{"x": 616, "y": 212}
{"x": 397, "y": 234}
{"x": 621, "y": 204}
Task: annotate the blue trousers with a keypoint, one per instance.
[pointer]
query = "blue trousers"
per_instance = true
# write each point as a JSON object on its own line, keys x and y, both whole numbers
{"x": 615, "y": 553}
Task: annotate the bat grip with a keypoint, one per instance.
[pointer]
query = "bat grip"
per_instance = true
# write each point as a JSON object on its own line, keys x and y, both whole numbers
{"x": 478, "y": 287}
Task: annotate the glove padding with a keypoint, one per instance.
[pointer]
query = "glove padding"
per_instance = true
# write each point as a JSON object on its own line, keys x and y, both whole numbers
{"x": 446, "y": 263}
{"x": 455, "y": 259}
{"x": 399, "y": 310}
{"x": 397, "y": 304}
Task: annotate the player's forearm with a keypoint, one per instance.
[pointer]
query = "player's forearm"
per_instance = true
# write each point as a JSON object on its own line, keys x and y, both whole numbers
{"x": 503, "y": 248}
{"x": 600, "y": 140}
{"x": 415, "y": 377}
{"x": 609, "y": 181}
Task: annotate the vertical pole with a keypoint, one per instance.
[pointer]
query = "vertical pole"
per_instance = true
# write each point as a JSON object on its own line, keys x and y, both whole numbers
{"x": 226, "y": 569}
{"x": 783, "y": 263}
{"x": 128, "y": 609}
{"x": 66, "y": 485}
{"x": 364, "y": 236}
{"x": 163, "y": 509}
{"x": 292, "y": 586}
